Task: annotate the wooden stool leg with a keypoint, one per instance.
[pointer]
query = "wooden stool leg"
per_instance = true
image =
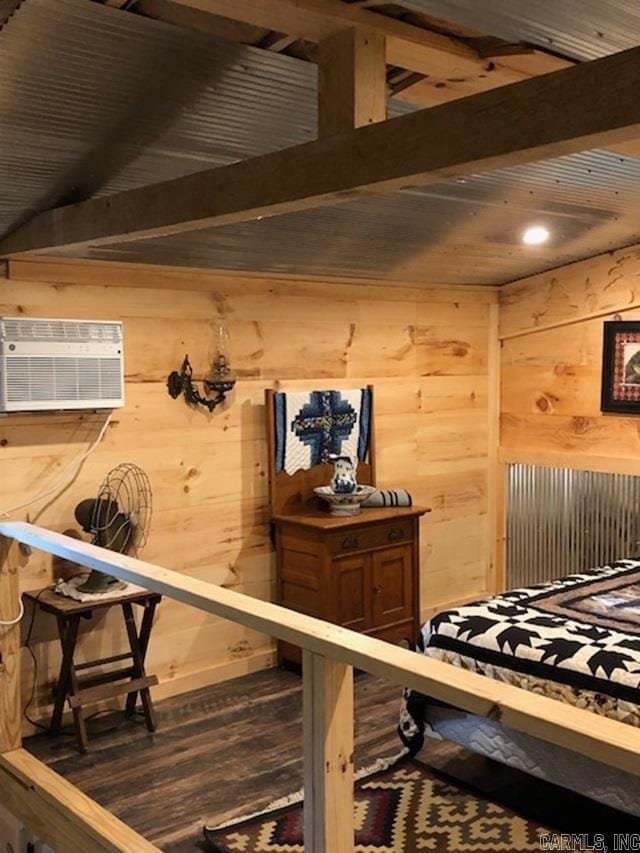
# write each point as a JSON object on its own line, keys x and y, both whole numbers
{"x": 143, "y": 640}
{"x": 68, "y": 631}
{"x": 138, "y": 666}
{"x": 78, "y": 713}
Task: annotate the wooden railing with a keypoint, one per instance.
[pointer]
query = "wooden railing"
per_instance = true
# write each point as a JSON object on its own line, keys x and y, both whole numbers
{"x": 329, "y": 655}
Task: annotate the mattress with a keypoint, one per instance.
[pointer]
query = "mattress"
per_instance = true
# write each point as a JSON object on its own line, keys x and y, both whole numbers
{"x": 576, "y": 772}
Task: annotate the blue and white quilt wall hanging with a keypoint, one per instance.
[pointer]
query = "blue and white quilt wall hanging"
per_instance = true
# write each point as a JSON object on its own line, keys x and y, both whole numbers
{"x": 311, "y": 426}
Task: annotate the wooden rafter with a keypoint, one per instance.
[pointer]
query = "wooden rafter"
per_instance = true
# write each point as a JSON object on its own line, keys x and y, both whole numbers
{"x": 277, "y": 42}
{"x": 444, "y": 64}
{"x": 408, "y": 46}
{"x": 539, "y": 118}
{"x": 202, "y": 22}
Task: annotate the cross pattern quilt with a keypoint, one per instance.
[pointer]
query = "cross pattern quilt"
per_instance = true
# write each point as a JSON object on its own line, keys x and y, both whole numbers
{"x": 576, "y": 639}
{"x": 311, "y": 426}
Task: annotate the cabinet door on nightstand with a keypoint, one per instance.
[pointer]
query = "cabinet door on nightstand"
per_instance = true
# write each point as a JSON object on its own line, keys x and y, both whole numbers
{"x": 392, "y": 581}
{"x": 353, "y": 592}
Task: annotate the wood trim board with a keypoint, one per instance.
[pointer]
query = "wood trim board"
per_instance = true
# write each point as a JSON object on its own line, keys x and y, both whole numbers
{"x": 120, "y": 274}
{"x": 496, "y": 474}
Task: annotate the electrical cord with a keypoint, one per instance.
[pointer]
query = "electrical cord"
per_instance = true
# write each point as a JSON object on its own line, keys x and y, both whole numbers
{"x": 35, "y": 674}
{"x": 10, "y": 622}
{"x": 34, "y": 682}
{"x": 54, "y": 489}
{"x": 27, "y": 644}
{"x": 57, "y": 486}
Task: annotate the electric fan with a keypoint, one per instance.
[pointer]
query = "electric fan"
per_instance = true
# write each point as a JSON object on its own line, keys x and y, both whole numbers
{"x": 118, "y": 518}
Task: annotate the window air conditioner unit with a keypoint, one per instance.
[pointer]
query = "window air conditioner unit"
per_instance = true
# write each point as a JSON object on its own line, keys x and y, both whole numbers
{"x": 60, "y": 364}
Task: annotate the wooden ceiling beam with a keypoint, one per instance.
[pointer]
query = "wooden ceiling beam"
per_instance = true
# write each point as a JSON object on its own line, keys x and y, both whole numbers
{"x": 431, "y": 91}
{"x": 408, "y": 46}
{"x": 203, "y": 22}
{"x": 450, "y": 68}
{"x": 443, "y": 68}
{"x": 7, "y": 9}
{"x": 352, "y": 81}
{"x": 543, "y": 117}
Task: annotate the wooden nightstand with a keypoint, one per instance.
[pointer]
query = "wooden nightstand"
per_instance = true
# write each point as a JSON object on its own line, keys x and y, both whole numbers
{"x": 361, "y": 572}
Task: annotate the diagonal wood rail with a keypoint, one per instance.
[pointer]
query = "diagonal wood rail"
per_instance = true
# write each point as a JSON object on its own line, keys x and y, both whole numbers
{"x": 330, "y": 653}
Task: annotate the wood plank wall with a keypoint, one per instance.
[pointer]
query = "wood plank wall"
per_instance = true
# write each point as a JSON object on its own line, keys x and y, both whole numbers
{"x": 551, "y": 327}
{"x": 425, "y": 349}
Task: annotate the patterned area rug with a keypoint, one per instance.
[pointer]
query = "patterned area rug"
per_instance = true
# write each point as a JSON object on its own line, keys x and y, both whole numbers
{"x": 406, "y": 808}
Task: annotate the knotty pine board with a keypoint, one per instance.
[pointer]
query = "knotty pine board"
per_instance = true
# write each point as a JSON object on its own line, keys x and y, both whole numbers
{"x": 551, "y": 379}
{"x": 423, "y": 348}
{"x": 606, "y": 283}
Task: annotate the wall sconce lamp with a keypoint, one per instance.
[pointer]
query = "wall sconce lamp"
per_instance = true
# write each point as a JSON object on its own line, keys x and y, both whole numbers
{"x": 219, "y": 381}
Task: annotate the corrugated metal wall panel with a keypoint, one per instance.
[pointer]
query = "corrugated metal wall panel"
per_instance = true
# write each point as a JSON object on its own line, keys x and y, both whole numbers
{"x": 561, "y": 521}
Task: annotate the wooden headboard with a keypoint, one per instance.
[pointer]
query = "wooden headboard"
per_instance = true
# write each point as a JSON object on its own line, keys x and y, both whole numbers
{"x": 293, "y": 493}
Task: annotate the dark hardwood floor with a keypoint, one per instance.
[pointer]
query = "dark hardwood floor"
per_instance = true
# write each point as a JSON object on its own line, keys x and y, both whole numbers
{"x": 219, "y": 752}
{"x": 232, "y": 749}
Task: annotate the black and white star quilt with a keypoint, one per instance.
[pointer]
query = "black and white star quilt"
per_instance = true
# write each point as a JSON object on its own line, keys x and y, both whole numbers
{"x": 576, "y": 639}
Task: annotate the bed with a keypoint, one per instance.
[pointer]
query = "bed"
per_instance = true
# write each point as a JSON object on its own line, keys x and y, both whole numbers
{"x": 576, "y": 639}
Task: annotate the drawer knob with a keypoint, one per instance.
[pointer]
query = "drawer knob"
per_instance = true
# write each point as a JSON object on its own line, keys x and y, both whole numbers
{"x": 350, "y": 542}
{"x": 377, "y": 590}
{"x": 395, "y": 534}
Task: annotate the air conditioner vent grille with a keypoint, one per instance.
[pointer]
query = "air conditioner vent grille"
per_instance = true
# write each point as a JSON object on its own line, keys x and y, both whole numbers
{"x": 59, "y": 331}
{"x": 60, "y": 379}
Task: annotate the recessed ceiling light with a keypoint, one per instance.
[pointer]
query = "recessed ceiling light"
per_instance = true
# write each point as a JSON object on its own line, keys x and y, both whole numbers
{"x": 535, "y": 235}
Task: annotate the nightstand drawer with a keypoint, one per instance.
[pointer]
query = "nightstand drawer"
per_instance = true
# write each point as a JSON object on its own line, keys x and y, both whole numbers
{"x": 367, "y": 538}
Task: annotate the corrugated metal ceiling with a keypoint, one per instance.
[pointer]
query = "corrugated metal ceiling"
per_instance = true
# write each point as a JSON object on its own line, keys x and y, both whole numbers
{"x": 96, "y": 100}
{"x": 455, "y": 232}
{"x": 577, "y": 29}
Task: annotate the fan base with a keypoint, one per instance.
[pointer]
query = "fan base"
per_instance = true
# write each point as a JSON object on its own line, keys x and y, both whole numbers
{"x": 97, "y": 583}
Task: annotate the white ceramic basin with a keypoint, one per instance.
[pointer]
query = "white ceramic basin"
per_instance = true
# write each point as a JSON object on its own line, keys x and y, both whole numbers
{"x": 344, "y": 504}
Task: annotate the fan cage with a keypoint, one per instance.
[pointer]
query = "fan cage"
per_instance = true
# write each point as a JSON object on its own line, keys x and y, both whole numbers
{"x": 128, "y": 488}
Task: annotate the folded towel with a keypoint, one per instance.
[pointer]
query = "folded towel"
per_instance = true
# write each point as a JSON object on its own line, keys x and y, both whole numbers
{"x": 389, "y": 497}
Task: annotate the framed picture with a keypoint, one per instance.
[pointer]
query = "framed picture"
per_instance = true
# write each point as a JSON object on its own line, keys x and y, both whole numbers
{"x": 621, "y": 367}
